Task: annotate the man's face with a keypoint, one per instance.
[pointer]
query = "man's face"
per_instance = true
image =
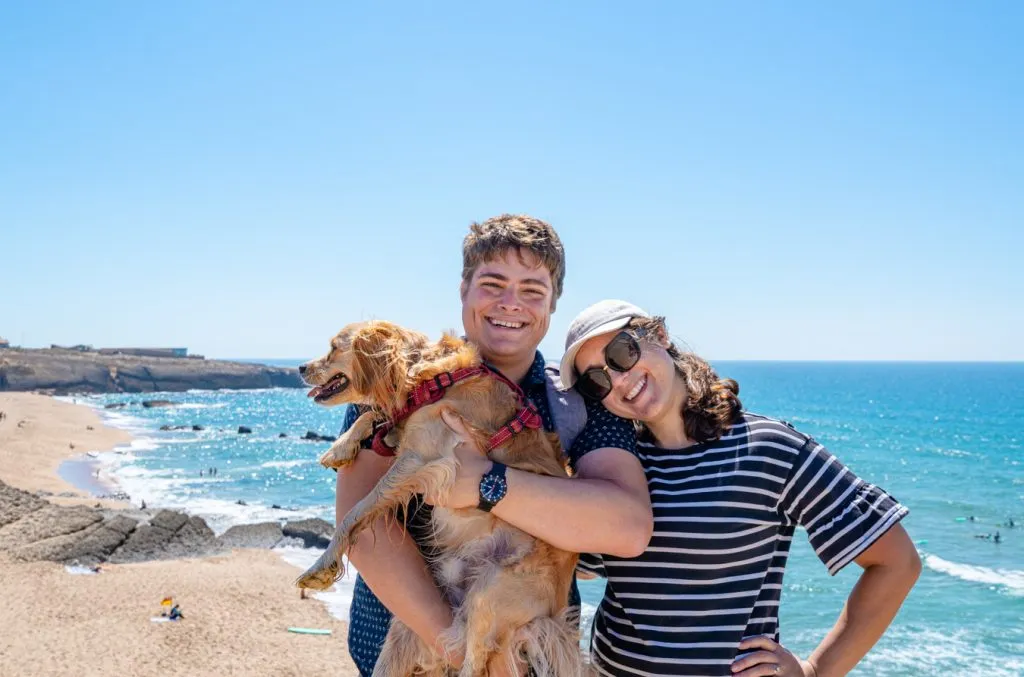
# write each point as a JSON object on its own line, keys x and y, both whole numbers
{"x": 506, "y": 306}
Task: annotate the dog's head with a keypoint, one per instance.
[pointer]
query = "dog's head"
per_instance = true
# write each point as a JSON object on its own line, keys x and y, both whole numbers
{"x": 368, "y": 363}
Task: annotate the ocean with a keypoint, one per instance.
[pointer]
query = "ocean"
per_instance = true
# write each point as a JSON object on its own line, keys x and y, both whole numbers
{"x": 944, "y": 438}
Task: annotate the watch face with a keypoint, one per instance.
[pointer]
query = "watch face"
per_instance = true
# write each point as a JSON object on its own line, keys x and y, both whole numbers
{"x": 492, "y": 489}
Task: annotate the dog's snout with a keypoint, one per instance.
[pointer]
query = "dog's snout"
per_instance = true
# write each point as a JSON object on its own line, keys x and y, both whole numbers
{"x": 302, "y": 369}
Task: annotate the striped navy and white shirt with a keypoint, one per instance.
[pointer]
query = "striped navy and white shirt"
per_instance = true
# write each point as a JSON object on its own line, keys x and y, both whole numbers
{"x": 724, "y": 516}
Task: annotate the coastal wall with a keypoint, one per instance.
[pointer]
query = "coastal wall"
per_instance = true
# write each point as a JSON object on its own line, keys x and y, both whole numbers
{"x": 62, "y": 372}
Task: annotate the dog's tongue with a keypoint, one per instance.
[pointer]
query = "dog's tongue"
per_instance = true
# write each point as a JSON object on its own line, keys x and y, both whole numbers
{"x": 314, "y": 392}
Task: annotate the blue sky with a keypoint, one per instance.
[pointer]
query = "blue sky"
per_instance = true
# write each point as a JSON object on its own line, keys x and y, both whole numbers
{"x": 782, "y": 180}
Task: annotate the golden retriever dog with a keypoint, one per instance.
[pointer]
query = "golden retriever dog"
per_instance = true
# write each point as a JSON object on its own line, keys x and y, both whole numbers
{"x": 509, "y": 590}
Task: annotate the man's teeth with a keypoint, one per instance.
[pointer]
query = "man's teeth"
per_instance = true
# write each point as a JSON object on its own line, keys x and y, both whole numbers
{"x": 636, "y": 389}
{"x": 510, "y": 325}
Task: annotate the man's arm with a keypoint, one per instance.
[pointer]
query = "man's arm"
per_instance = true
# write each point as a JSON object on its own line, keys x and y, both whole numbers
{"x": 606, "y": 508}
{"x": 388, "y": 558}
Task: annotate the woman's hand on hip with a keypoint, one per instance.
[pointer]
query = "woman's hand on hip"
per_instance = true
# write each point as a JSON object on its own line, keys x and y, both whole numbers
{"x": 771, "y": 659}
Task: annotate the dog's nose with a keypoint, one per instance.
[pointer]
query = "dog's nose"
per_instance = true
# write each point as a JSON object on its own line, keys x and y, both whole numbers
{"x": 302, "y": 369}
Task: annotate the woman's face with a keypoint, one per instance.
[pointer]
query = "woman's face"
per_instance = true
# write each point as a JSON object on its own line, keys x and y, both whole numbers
{"x": 649, "y": 391}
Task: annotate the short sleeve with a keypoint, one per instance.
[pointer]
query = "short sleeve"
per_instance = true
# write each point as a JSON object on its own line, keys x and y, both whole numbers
{"x": 603, "y": 429}
{"x": 842, "y": 513}
{"x": 591, "y": 563}
{"x": 351, "y": 414}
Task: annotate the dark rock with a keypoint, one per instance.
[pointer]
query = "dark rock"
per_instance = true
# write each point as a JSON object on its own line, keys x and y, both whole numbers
{"x": 168, "y": 535}
{"x": 47, "y": 523}
{"x": 101, "y": 542}
{"x": 15, "y": 504}
{"x": 243, "y": 430}
{"x": 282, "y": 435}
{"x": 264, "y": 535}
{"x": 315, "y": 533}
{"x": 197, "y": 427}
{"x": 114, "y": 405}
{"x": 290, "y": 542}
{"x": 149, "y": 404}
{"x": 317, "y": 437}
{"x": 169, "y": 519}
{"x": 34, "y": 529}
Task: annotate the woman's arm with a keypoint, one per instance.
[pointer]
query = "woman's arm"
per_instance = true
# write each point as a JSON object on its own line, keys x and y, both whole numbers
{"x": 891, "y": 567}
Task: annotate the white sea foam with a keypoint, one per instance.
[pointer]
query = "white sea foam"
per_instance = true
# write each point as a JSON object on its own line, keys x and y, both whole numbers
{"x": 1010, "y": 579}
{"x": 918, "y": 651}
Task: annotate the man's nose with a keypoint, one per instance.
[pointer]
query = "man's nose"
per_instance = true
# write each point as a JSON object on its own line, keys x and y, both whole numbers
{"x": 509, "y": 299}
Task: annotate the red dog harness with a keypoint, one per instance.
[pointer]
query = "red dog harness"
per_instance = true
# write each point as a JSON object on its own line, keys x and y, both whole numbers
{"x": 433, "y": 390}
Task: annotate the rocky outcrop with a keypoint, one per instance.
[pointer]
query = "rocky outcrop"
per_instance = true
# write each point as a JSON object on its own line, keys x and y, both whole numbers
{"x": 62, "y": 372}
{"x": 314, "y": 533}
{"x": 32, "y": 528}
{"x": 263, "y": 535}
{"x": 167, "y": 536}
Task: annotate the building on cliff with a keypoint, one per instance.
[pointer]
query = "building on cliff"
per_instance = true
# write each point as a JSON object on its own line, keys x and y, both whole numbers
{"x": 4, "y": 343}
{"x": 146, "y": 352}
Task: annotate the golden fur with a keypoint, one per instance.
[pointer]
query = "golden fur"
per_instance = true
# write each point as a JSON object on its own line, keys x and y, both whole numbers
{"x": 509, "y": 590}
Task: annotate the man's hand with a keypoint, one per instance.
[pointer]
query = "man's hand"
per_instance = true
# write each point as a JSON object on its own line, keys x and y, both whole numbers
{"x": 472, "y": 466}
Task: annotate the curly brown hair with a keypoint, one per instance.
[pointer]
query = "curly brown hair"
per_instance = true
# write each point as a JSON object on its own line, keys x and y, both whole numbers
{"x": 521, "y": 233}
{"x": 712, "y": 403}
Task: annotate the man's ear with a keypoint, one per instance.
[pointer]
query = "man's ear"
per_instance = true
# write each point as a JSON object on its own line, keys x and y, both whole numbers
{"x": 463, "y": 288}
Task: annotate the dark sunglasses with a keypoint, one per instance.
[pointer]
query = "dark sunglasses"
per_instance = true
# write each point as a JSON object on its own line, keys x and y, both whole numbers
{"x": 621, "y": 354}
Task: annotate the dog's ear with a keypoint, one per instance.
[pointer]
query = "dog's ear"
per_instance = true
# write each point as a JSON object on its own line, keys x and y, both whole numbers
{"x": 380, "y": 366}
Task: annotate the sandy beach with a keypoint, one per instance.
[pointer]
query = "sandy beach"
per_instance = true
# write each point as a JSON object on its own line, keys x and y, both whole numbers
{"x": 237, "y": 608}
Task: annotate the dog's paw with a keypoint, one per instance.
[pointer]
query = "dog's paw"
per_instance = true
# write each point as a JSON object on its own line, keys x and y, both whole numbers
{"x": 321, "y": 576}
{"x": 317, "y": 580}
{"x": 331, "y": 459}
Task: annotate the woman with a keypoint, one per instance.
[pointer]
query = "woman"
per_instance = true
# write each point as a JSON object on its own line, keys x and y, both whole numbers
{"x": 728, "y": 489}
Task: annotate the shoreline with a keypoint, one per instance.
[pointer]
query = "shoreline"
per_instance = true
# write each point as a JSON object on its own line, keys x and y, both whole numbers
{"x": 41, "y": 434}
{"x": 237, "y": 606}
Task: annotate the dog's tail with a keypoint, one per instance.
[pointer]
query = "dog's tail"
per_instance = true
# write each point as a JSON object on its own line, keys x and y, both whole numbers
{"x": 551, "y": 646}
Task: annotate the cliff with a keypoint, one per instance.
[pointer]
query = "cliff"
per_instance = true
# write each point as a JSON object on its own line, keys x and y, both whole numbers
{"x": 62, "y": 372}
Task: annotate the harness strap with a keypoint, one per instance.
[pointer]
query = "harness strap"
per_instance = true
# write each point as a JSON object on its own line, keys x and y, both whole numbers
{"x": 433, "y": 390}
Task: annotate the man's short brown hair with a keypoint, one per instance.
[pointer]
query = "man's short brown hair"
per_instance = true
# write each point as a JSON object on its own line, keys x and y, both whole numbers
{"x": 518, "y": 232}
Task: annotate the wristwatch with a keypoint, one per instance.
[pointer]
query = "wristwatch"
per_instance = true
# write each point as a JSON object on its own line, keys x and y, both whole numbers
{"x": 492, "y": 487}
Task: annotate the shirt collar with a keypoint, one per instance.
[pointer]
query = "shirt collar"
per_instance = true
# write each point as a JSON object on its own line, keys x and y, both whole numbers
{"x": 535, "y": 376}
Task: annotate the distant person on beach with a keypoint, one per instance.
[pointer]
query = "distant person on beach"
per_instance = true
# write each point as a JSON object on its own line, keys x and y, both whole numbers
{"x": 728, "y": 489}
{"x": 512, "y": 275}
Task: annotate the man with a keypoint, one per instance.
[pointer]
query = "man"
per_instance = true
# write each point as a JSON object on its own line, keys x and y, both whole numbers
{"x": 513, "y": 271}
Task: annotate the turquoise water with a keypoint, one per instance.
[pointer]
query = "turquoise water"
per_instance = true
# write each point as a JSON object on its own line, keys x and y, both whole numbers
{"x": 945, "y": 439}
